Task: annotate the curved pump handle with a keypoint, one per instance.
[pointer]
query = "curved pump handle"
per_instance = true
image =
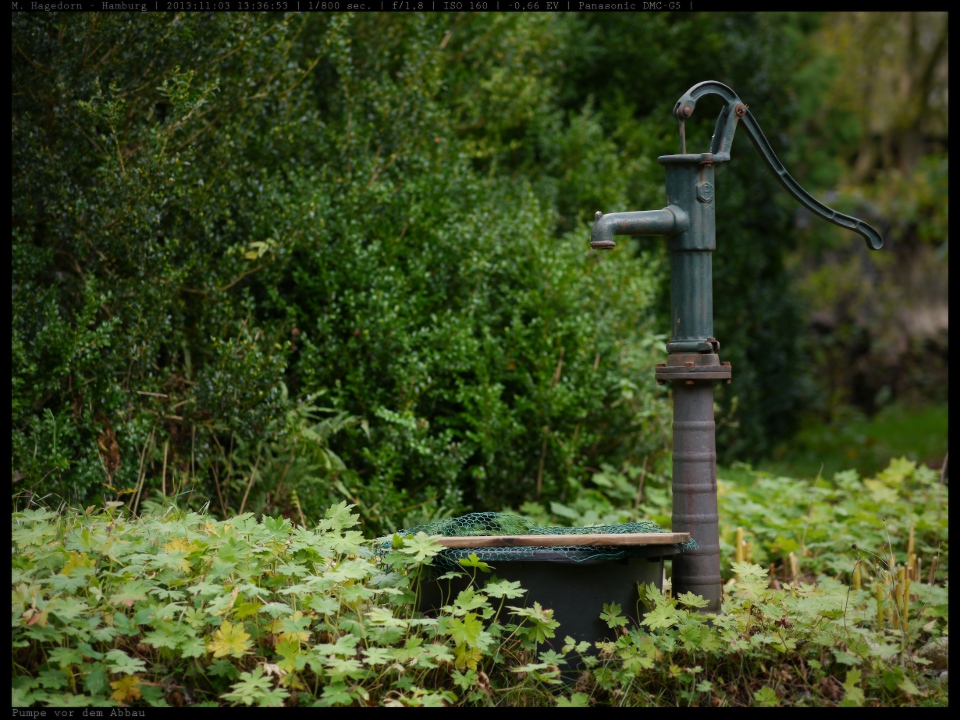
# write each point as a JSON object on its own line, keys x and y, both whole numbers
{"x": 734, "y": 111}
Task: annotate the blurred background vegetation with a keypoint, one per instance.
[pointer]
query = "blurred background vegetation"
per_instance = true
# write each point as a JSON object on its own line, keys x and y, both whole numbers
{"x": 268, "y": 262}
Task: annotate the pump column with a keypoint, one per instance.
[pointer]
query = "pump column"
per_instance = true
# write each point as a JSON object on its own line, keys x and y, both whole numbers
{"x": 692, "y": 366}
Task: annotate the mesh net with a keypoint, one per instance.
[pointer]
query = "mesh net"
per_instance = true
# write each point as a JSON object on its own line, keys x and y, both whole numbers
{"x": 487, "y": 524}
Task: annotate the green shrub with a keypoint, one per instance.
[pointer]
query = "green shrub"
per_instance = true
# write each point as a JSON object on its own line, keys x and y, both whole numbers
{"x": 309, "y": 206}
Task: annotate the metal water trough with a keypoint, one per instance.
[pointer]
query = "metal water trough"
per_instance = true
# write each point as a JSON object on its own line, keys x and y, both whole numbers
{"x": 576, "y": 590}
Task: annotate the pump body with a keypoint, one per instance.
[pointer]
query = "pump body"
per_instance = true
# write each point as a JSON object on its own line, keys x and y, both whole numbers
{"x": 693, "y": 364}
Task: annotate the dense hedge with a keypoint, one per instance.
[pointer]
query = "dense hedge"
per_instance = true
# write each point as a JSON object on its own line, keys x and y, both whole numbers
{"x": 199, "y": 253}
{"x": 272, "y": 261}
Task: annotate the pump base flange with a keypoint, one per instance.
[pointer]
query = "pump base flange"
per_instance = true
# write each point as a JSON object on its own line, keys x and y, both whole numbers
{"x": 693, "y": 367}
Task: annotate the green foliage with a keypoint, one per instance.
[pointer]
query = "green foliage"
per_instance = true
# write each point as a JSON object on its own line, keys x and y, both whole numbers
{"x": 309, "y": 206}
{"x": 828, "y": 525}
{"x": 178, "y": 608}
{"x": 853, "y": 441}
{"x": 872, "y": 132}
{"x": 816, "y": 519}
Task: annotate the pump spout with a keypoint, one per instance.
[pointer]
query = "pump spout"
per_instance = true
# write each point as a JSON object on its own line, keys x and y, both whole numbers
{"x": 669, "y": 221}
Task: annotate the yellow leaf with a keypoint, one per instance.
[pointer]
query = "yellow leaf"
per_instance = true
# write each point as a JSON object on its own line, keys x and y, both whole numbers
{"x": 184, "y": 546}
{"x": 467, "y": 657}
{"x": 229, "y": 640}
{"x": 178, "y": 544}
{"x": 75, "y": 560}
{"x": 126, "y": 688}
{"x": 302, "y": 637}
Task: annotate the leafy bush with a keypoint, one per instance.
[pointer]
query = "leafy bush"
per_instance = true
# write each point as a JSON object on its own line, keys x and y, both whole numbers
{"x": 177, "y": 608}
{"x": 311, "y": 207}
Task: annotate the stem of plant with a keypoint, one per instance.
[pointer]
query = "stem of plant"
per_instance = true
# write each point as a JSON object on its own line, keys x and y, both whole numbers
{"x": 906, "y": 601}
{"x": 249, "y": 484}
{"x": 879, "y": 595}
{"x": 163, "y": 476}
{"x": 141, "y": 475}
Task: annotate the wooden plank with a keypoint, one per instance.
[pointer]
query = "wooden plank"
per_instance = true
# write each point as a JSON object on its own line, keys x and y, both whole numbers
{"x": 563, "y": 540}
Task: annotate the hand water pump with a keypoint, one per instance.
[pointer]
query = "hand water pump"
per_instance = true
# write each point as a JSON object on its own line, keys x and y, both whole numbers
{"x": 689, "y": 224}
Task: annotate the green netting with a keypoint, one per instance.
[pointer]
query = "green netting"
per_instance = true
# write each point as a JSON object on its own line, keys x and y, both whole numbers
{"x": 490, "y": 523}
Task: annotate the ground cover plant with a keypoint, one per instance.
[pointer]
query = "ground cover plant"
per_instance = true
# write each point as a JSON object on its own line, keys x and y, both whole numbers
{"x": 175, "y": 607}
{"x": 852, "y": 440}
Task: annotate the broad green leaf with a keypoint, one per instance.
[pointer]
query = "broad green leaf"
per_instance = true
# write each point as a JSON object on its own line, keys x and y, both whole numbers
{"x": 65, "y": 657}
{"x": 120, "y": 662}
{"x": 468, "y": 600}
{"x": 692, "y": 601}
{"x": 130, "y": 592}
{"x": 749, "y": 571}
{"x": 250, "y": 688}
{"x": 376, "y": 656}
{"x": 464, "y": 680}
{"x": 766, "y": 697}
{"x": 385, "y": 616}
{"x": 474, "y": 562}
{"x": 192, "y": 646}
{"x": 96, "y": 681}
{"x": 908, "y": 686}
{"x": 245, "y": 610}
{"x": 504, "y": 589}
{"x": 466, "y": 630}
{"x": 421, "y": 547}
{"x": 853, "y": 695}
{"x": 160, "y": 639}
{"x": 661, "y": 616}
{"x": 338, "y": 668}
{"x": 611, "y": 615}
{"x": 324, "y": 604}
{"x": 576, "y": 700}
{"x": 336, "y": 694}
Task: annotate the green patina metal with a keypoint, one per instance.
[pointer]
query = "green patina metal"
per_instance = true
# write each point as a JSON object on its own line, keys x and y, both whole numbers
{"x": 689, "y": 224}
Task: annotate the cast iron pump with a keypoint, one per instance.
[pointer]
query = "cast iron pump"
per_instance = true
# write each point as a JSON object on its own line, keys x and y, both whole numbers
{"x": 689, "y": 224}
